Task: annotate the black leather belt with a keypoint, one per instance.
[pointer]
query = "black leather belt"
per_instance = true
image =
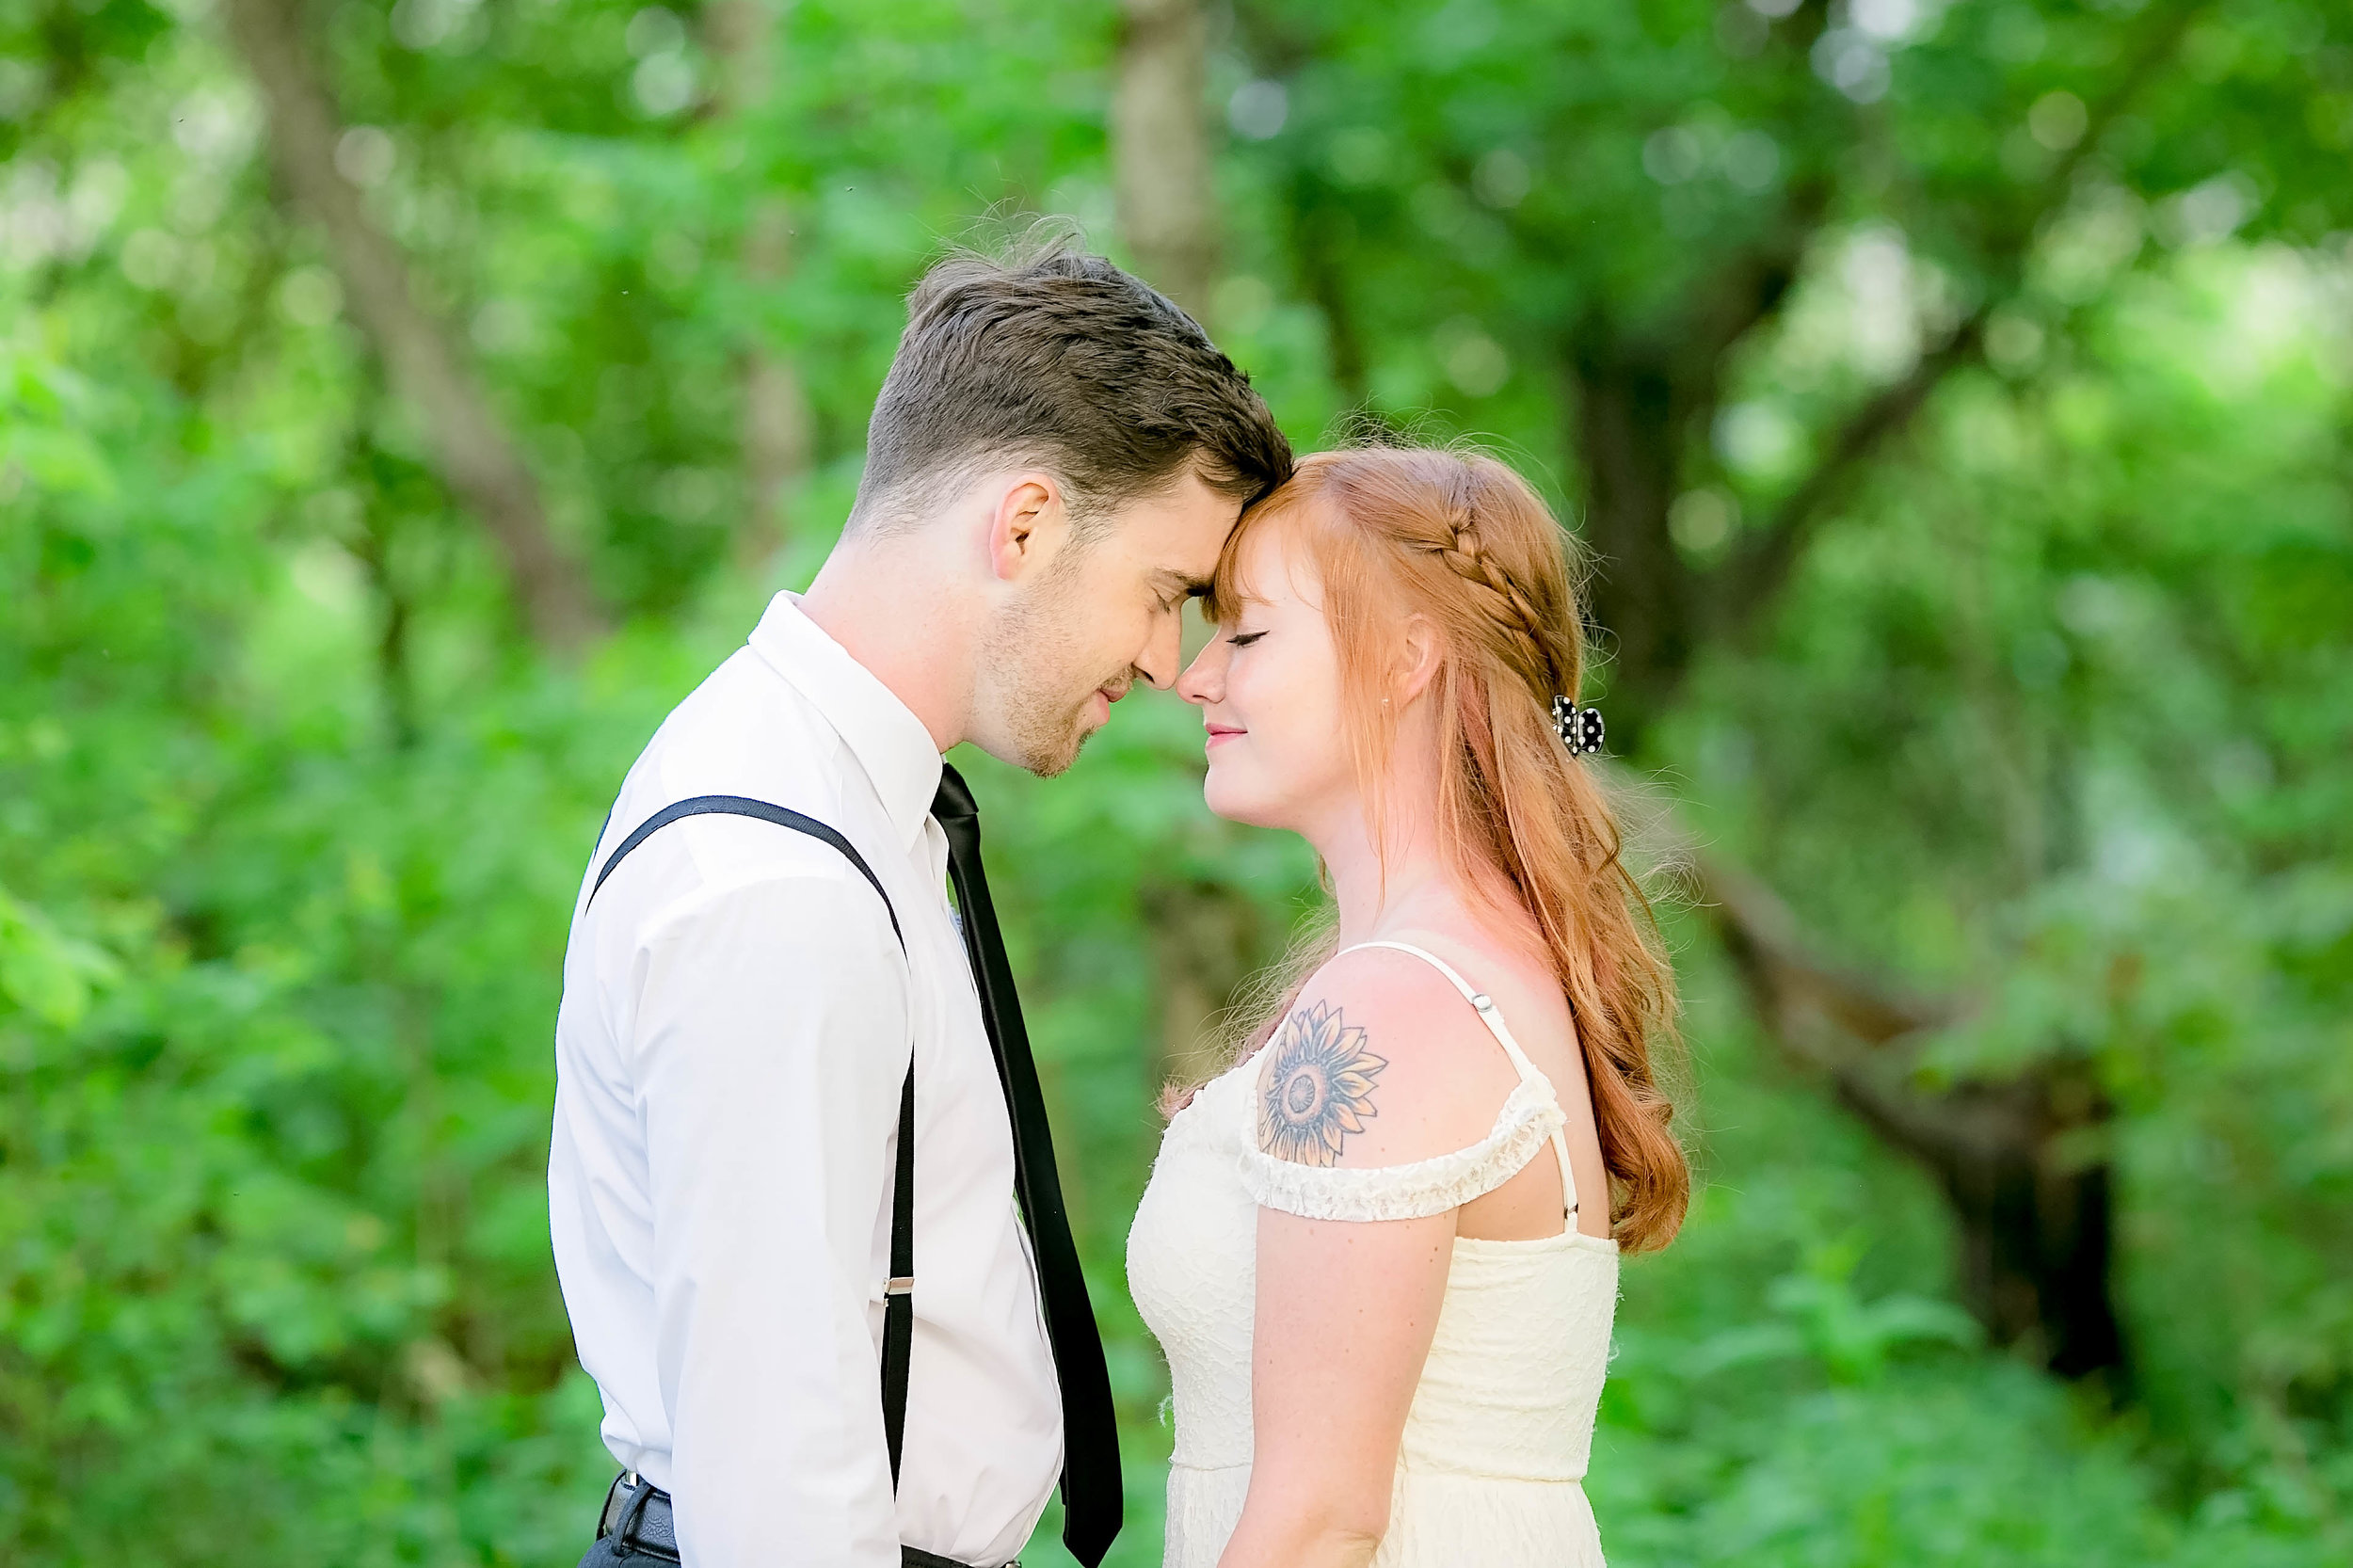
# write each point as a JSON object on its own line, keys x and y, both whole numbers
{"x": 638, "y": 1513}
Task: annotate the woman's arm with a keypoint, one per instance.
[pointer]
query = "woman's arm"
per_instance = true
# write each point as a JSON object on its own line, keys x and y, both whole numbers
{"x": 1346, "y": 1310}
{"x": 1381, "y": 1065}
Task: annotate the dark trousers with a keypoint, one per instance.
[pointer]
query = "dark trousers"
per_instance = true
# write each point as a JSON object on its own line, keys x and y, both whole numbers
{"x": 646, "y": 1527}
{"x": 606, "y": 1553}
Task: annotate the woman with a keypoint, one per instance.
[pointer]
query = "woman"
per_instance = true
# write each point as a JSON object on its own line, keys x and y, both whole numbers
{"x": 1380, "y": 1250}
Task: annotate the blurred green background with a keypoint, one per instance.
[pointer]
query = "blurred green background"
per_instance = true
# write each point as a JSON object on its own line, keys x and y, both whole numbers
{"x": 401, "y": 407}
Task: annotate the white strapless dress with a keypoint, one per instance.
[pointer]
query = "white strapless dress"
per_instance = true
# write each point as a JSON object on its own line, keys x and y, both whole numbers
{"x": 1502, "y": 1427}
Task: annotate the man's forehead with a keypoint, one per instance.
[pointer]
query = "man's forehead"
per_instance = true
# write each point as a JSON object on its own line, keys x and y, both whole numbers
{"x": 1188, "y": 529}
{"x": 1176, "y": 582}
{"x": 1198, "y": 562}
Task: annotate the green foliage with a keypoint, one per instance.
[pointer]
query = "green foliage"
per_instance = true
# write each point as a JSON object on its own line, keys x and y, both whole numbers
{"x": 2087, "y": 637}
{"x": 2052, "y": 715}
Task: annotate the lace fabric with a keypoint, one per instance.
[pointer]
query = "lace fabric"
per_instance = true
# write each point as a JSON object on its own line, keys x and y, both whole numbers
{"x": 1411, "y": 1192}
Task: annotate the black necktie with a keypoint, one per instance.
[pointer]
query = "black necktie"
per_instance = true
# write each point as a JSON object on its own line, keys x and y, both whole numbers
{"x": 1090, "y": 1477}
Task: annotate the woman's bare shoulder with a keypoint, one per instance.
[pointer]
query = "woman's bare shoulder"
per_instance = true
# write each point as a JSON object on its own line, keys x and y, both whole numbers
{"x": 1380, "y": 1061}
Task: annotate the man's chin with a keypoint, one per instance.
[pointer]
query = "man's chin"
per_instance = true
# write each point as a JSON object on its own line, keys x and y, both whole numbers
{"x": 1046, "y": 758}
{"x": 1057, "y": 763}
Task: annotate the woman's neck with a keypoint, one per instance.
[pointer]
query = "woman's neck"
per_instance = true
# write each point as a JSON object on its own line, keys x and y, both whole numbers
{"x": 1416, "y": 886}
{"x": 1376, "y": 892}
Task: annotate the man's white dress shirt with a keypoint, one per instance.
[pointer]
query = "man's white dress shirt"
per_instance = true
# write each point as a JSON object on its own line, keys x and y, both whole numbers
{"x": 735, "y": 1028}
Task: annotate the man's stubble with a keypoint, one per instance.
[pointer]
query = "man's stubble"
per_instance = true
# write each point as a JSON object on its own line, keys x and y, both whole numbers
{"x": 1035, "y": 677}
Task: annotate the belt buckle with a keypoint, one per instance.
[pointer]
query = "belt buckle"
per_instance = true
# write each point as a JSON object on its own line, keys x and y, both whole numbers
{"x": 612, "y": 1493}
{"x": 615, "y": 1513}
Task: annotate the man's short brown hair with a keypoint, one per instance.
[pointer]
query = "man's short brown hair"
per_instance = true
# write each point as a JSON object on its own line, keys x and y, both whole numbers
{"x": 1057, "y": 358}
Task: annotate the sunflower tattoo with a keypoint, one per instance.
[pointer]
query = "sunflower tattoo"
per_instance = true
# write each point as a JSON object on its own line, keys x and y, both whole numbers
{"x": 1316, "y": 1087}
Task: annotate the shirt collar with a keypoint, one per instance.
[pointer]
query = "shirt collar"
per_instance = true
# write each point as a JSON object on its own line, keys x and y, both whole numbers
{"x": 881, "y": 731}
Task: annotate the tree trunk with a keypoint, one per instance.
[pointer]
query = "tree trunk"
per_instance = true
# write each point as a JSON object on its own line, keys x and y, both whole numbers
{"x": 1206, "y": 942}
{"x": 1631, "y": 435}
{"x": 2024, "y": 1163}
{"x": 2035, "y": 1219}
{"x": 775, "y": 433}
{"x": 1161, "y": 149}
{"x": 474, "y": 455}
{"x": 1319, "y": 232}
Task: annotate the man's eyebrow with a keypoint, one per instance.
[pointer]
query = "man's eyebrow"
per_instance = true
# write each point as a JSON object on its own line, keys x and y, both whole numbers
{"x": 1191, "y": 587}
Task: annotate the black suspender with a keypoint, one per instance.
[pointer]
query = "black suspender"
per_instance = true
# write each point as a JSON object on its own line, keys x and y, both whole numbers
{"x": 898, "y": 1295}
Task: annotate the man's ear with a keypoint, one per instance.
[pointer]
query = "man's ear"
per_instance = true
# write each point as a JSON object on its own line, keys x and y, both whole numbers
{"x": 1419, "y": 651}
{"x": 1026, "y": 527}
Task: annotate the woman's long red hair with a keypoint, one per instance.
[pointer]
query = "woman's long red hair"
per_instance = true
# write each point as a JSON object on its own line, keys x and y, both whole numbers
{"x": 1462, "y": 539}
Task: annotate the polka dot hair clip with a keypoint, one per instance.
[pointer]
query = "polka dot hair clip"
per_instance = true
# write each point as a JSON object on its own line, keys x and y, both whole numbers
{"x": 1580, "y": 729}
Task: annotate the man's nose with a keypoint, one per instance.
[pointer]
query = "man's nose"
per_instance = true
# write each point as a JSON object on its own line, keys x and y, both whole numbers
{"x": 1163, "y": 657}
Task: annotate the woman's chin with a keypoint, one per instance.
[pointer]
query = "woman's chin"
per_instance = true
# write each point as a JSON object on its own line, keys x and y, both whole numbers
{"x": 1230, "y": 799}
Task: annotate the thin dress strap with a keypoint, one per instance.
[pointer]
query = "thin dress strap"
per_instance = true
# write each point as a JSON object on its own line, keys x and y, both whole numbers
{"x": 1492, "y": 1015}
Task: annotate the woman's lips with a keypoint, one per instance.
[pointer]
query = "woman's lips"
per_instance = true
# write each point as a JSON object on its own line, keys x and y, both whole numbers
{"x": 1223, "y": 732}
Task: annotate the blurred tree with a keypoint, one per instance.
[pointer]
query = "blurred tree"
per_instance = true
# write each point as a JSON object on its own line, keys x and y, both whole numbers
{"x": 775, "y": 434}
{"x": 478, "y": 458}
{"x": 1208, "y": 938}
{"x": 2034, "y": 1208}
{"x": 1159, "y": 142}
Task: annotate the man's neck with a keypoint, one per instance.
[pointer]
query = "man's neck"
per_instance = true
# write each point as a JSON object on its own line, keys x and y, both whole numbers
{"x": 891, "y": 612}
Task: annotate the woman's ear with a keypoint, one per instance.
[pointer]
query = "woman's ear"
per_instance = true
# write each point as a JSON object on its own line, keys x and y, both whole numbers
{"x": 1419, "y": 651}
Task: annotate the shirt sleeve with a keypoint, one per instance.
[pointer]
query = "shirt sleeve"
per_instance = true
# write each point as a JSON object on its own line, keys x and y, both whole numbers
{"x": 770, "y": 1043}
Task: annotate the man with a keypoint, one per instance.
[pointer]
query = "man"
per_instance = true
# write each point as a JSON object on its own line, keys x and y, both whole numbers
{"x": 751, "y": 995}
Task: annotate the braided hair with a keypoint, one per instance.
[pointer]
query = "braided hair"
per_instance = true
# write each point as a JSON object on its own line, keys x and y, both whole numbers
{"x": 1524, "y": 625}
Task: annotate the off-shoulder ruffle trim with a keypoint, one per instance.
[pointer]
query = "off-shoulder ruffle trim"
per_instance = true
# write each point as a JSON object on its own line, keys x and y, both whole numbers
{"x": 1413, "y": 1190}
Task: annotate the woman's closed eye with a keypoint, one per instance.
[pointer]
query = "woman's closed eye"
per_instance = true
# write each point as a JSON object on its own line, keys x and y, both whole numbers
{"x": 1243, "y": 639}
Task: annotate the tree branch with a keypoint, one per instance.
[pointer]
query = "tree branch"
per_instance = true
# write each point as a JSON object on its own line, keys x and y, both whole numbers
{"x": 476, "y": 459}
{"x": 2034, "y": 1216}
{"x": 1811, "y": 1003}
{"x": 1834, "y": 1020}
{"x": 1753, "y": 574}
{"x": 1748, "y": 289}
